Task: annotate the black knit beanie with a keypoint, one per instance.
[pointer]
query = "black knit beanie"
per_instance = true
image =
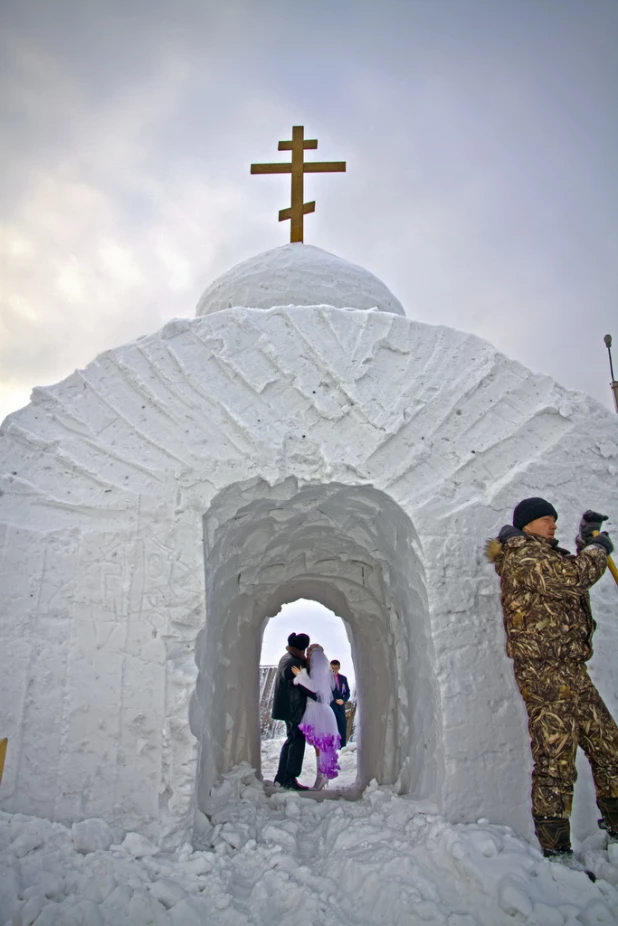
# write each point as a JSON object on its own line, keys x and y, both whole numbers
{"x": 298, "y": 640}
{"x": 530, "y": 509}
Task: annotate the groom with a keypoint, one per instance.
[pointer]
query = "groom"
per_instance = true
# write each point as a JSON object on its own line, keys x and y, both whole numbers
{"x": 341, "y": 694}
{"x": 289, "y": 702}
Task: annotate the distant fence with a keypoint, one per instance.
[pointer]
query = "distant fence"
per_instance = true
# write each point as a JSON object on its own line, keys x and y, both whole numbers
{"x": 269, "y": 728}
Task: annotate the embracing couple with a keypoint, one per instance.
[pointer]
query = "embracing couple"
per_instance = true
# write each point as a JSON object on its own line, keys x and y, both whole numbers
{"x": 302, "y": 698}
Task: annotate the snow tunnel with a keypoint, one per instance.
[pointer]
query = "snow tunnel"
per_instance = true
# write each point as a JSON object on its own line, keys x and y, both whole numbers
{"x": 355, "y": 551}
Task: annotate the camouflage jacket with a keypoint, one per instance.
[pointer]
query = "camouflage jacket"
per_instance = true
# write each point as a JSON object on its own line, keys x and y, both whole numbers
{"x": 545, "y": 601}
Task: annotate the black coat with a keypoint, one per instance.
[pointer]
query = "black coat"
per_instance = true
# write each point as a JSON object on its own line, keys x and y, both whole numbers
{"x": 343, "y": 694}
{"x": 289, "y": 700}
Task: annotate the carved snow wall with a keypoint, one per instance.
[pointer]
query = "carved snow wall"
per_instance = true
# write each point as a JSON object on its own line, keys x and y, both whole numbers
{"x": 159, "y": 505}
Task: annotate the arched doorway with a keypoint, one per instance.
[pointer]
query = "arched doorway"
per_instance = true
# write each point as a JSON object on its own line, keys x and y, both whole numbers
{"x": 328, "y": 629}
{"x": 353, "y": 550}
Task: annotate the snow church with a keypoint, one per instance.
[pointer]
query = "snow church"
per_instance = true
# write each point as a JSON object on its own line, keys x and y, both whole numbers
{"x": 300, "y": 437}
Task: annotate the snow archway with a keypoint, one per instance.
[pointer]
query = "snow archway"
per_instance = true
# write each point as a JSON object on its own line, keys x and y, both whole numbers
{"x": 351, "y": 549}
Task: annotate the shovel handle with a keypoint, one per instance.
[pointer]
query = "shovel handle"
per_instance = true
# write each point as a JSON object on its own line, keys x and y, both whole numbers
{"x": 611, "y": 565}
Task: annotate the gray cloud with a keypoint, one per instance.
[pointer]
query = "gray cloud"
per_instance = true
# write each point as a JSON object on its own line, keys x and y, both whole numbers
{"x": 481, "y": 140}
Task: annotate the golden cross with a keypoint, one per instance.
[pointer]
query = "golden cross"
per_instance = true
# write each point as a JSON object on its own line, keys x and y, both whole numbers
{"x": 298, "y": 168}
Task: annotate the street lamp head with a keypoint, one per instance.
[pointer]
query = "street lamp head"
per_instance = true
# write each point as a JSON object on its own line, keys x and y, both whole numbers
{"x": 608, "y": 340}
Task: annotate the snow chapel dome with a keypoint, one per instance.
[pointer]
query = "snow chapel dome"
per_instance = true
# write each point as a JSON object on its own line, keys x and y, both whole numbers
{"x": 298, "y": 274}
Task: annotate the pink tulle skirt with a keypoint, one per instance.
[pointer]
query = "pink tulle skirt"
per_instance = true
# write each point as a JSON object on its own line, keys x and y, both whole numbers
{"x": 319, "y": 727}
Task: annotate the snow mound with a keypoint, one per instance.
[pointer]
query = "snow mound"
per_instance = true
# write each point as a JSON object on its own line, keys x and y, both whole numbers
{"x": 298, "y": 274}
{"x": 90, "y": 835}
{"x": 295, "y": 862}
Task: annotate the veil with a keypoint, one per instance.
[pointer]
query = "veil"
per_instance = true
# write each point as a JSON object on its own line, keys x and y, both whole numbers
{"x": 319, "y": 724}
{"x": 322, "y": 676}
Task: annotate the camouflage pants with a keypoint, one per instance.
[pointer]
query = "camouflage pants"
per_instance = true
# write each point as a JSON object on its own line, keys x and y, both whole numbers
{"x": 566, "y": 711}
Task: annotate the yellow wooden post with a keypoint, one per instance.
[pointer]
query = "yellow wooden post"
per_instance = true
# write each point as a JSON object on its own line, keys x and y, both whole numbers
{"x": 298, "y": 167}
{"x": 3, "y": 744}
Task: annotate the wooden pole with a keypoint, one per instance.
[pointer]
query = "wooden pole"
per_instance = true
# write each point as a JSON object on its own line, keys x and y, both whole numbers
{"x": 3, "y": 744}
{"x": 297, "y": 191}
{"x": 614, "y": 383}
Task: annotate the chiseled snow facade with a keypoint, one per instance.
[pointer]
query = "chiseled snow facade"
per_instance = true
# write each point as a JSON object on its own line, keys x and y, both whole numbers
{"x": 299, "y": 438}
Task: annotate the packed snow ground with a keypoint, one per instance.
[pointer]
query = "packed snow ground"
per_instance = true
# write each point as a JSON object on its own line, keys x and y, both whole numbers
{"x": 347, "y": 763}
{"x": 295, "y": 861}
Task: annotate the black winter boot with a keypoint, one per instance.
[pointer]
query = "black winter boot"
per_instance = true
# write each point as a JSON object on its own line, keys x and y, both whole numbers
{"x": 609, "y": 815}
{"x": 554, "y": 834}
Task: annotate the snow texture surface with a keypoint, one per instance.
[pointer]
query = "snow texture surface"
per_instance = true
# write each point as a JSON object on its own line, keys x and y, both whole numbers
{"x": 158, "y": 506}
{"x": 298, "y": 274}
{"x": 297, "y": 862}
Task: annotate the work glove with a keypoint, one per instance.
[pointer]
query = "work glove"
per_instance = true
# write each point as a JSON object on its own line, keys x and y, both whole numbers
{"x": 591, "y": 521}
{"x": 508, "y": 532}
{"x": 602, "y": 540}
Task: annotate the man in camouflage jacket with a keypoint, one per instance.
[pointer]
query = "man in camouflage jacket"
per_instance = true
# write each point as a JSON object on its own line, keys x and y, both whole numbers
{"x": 549, "y": 628}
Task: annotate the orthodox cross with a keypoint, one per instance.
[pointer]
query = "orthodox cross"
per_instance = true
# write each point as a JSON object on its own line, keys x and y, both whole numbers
{"x": 298, "y": 168}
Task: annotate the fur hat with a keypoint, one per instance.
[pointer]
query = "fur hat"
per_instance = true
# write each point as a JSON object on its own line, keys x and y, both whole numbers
{"x": 298, "y": 640}
{"x": 530, "y": 509}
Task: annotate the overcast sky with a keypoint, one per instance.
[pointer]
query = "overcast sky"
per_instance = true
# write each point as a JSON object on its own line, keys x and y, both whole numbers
{"x": 481, "y": 140}
{"x": 312, "y": 618}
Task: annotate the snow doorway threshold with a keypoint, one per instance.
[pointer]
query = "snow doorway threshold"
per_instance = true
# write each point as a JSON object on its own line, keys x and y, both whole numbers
{"x": 353, "y": 549}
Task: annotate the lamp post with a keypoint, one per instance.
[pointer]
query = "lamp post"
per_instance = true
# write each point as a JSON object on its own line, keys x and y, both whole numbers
{"x": 614, "y": 383}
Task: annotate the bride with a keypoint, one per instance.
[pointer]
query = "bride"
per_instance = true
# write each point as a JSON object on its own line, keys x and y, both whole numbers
{"x": 319, "y": 723}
